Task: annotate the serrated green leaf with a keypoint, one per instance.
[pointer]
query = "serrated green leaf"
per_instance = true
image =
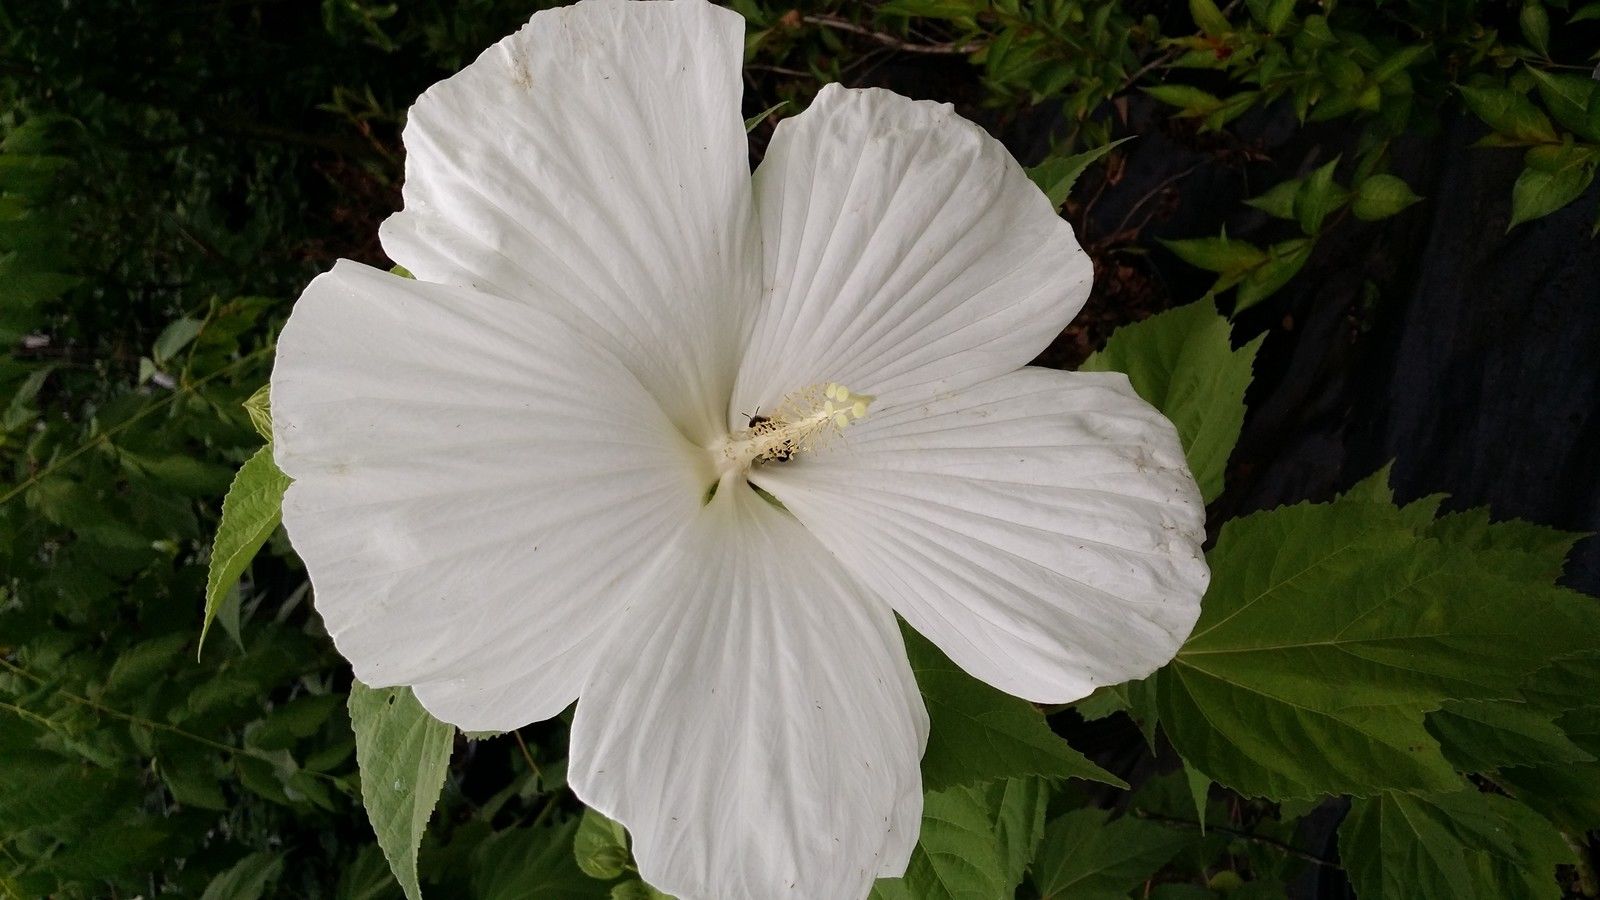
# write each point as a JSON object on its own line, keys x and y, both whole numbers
{"x": 1485, "y": 735}
{"x": 1057, "y": 176}
{"x": 259, "y": 409}
{"x": 979, "y": 734}
{"x": 1464, "y": 845}
{"x": 1539, "y": 192}
{"x": 1183, "y": 363}
{"x": 1018, "y": 808}
{"x": 1328, "y": 632}
{"x": 1085, "y": 857}
{"x": 403, "y": 753}
{"x": 1570, "y": 682}
{"x": 1523, "y": 550}
{"x": 250, "y": 512}
{"x": 970, "y": 845}
{"x": 1381, "y": 196}
{"x": 601, "y": 847}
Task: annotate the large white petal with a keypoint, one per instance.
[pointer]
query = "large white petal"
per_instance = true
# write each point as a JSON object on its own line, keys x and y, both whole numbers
{"x": 755, "y": 723}
{"x": 1042, "y": 528}
{"x": 475, "y": 488}
{"x": 906, "y": 254}
{"x": 598, "y": 155}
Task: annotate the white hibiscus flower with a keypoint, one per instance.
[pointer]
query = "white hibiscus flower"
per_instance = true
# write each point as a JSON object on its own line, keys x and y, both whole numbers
{"x": 528, "y": 476}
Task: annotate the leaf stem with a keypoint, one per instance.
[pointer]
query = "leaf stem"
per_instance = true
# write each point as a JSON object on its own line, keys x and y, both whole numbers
{"x": 1288, "y": 849}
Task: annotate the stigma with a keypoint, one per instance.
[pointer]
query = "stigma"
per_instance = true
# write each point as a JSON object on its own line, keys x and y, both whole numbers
{"x": 805, "y": 420}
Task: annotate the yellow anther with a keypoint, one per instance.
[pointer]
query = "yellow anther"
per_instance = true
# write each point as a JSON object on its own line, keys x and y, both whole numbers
{"x": 859, "y": 408}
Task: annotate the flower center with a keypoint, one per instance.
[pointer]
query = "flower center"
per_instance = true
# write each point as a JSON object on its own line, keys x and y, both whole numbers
{"x": 805, "y": 420}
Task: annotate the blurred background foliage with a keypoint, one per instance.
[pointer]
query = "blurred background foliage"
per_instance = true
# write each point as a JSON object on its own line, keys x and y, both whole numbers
{"x": 172, "y": 173}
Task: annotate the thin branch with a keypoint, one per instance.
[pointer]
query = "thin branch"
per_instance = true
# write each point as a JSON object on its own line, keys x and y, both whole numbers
{"x": 949, "y": 48}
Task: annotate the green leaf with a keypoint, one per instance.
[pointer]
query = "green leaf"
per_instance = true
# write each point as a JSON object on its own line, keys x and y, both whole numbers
{"x": 1535, "y": 24}
{"x": 247, "y": 879}
{"x": 1278, "y": 201}
{"x": 974, "y": 844}
{"x": 250, "y": 512}
{"x": 1319, "y": 195}
{"x": 1284, "y": 260}
{"x": 1183, "y": 363}
{"x": 1585, "y": 13}
{"x": 1509, "y": 113}
{"x": 1571, "y": 99}
{"x": 1222, "y": 255}
{"x": 1381, "y": 196}
{"x": 1086, "y": 857}
{"x": 601, "y": 847}
{"x": 1210, "y": 19}
{"x": 1057, "y": 175}
{"x": 636, "y": 890}
{"x": 174, "y": 338}
{"x": 534, "y": 863}
{"x": 403, "y": 753}
{"x": 1541, "y": 191}
{"x": 1192, "y": 100}
{"x": 1464, "y": 845}
{"x": 1271, "y": 14}
{"x": 368, "y": 878}
{"x": 1485, "y": 735}
{"x": 1018, "y": 808}
{"x": 978, "y": 734}
{"x": 1330, "y": 630}
{"x": 259, "y": 409}
{"x": 751, "y": 123}
{"x": 1199, "y": 790}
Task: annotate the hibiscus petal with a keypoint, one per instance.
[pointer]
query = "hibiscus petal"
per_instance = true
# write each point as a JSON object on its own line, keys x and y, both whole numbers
{"x": 475, "y": 488}
{"x": 598, "y": 155}
{"x": 1042, "y": 528}
{"x": 907, "y": 255}
{"x": 759, "y": 734}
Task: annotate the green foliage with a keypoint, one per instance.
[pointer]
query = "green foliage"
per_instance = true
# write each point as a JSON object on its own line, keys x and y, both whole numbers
{"x": 170, "y": 176}
{"x": 975, "y": 843}
{"x": 1096, "y": 859}
{"x": 1451, "y": 846}
{"x": 978, "y": 734}
{"x": 250, "y": 513}
{"x": 403, "y": 753}
{"x": 1339, "y": 627}
{"x": 1183, "y": 363}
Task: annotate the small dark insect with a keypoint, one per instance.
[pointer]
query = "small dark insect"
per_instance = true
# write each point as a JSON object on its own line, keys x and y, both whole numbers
{"x": 761, "y": 424}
